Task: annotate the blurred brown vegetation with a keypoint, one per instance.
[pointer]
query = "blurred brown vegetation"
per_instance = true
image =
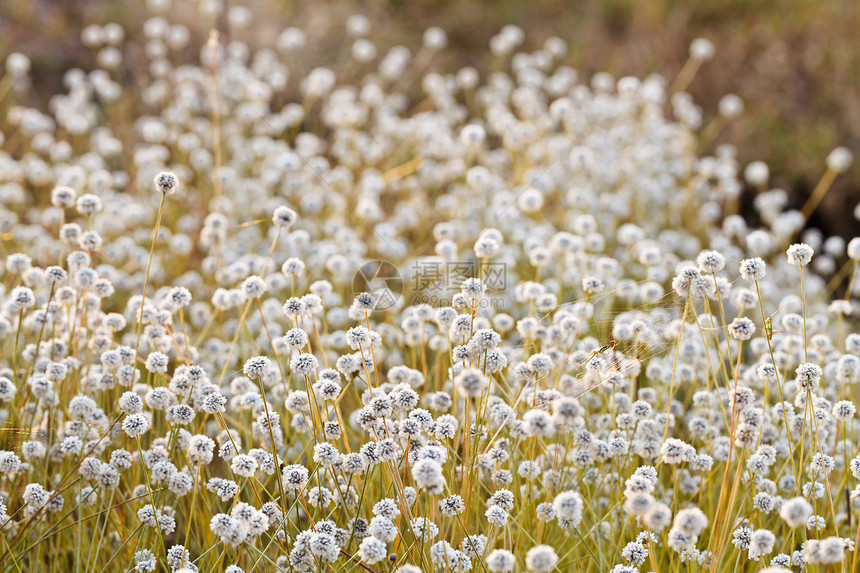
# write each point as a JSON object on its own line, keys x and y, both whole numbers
{"x": 796, "y": 64}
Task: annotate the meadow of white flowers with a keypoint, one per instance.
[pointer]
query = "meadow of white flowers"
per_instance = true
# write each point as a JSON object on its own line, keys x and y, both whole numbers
{"x": 259, "y": 315}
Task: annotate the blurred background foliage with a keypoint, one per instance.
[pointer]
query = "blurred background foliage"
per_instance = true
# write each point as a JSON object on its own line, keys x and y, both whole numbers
{"x": 795, "y": 63}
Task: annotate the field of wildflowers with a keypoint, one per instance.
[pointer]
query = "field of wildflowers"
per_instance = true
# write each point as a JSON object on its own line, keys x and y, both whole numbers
{"x": 260, "y": 314}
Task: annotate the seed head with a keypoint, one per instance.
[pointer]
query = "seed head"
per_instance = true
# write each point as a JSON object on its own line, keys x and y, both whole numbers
{"x": 166, "y": 182}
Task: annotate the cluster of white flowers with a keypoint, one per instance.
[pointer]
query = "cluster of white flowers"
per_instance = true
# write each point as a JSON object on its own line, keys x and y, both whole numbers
{"x": 580, "y": 350}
